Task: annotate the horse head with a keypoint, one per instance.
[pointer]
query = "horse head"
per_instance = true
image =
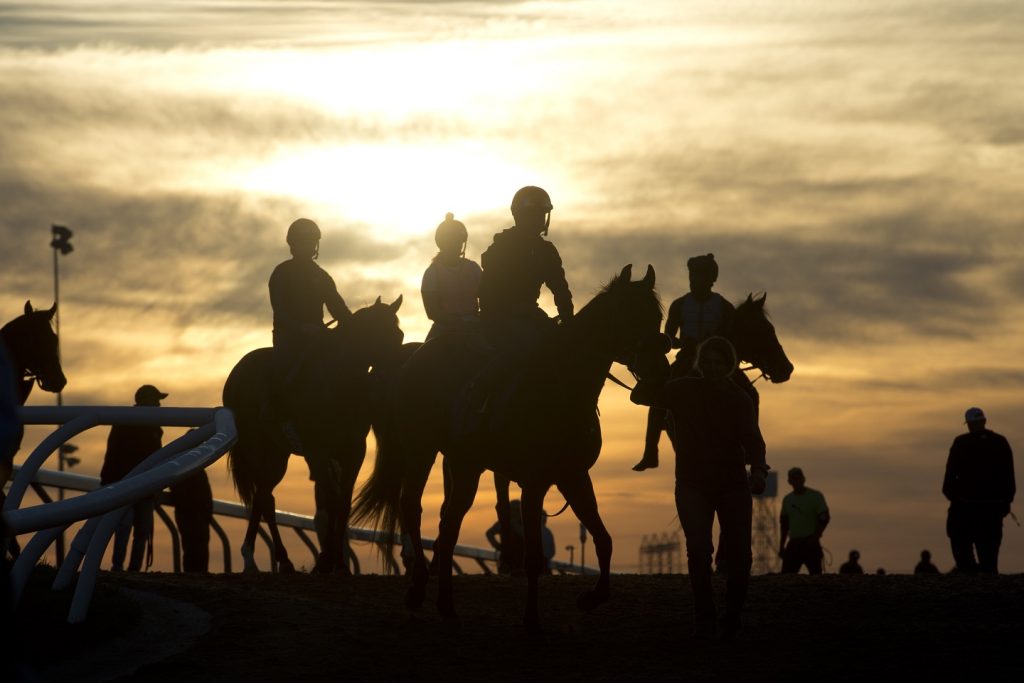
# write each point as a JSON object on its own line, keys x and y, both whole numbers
{"x": 375, "y": 332}
{"x": 754, "y": 338}
{"x": 32, "y": 345}
{"x": 623, "y": 321}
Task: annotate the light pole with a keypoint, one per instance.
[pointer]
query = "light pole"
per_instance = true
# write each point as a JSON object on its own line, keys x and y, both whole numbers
{"x": 61, "y": 244}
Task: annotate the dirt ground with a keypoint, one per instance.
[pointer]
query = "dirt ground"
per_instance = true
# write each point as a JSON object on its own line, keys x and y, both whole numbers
{"x": 162, "y": 627}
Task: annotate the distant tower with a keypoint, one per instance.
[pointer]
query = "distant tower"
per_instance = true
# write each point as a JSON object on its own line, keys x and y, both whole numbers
{"x": 765, "y": 538}
{"x": 661, "y": 554}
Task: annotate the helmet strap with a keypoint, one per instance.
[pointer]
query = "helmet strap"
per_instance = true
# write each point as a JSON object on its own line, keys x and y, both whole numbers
{"x": 547, "y": 223}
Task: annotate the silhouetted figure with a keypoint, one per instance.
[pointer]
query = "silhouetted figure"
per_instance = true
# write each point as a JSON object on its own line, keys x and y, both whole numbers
{"x": 803, "y": 520}
{"x": 193, "y": 512}
{"x": 852, "y": 565}
{"x": 925, "y": 566}
{"x": 299, "y": 291}
{"x": 451, "y": 284}
{"x": 127, "y": 447}
{"x": 509, "y": 539}
{"x": 515, "y": 266}
{"x": 547, "y": 541}
{"x": 714, "y": 433}
{"x": 980, "y": 486}
{"x": 692, "y": 318}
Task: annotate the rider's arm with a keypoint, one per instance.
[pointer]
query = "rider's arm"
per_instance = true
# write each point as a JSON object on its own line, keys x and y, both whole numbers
{"x": 674, "y": 322}
{"x": 332, "y": 300}
{"x": 559, "y": 286}
{"x": 949, "y": 480}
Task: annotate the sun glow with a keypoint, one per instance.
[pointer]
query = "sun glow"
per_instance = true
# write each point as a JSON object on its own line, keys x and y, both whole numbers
{"x": 395, "y": 187}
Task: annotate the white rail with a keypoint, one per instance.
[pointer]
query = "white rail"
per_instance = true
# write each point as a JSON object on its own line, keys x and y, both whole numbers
{"x": 103, "y": 508}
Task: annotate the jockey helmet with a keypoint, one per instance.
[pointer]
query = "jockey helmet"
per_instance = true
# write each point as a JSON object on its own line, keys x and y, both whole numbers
{"x": 303, "y": 230}
{"x": 450, "y": 231}
{"x": 531, "y": 197}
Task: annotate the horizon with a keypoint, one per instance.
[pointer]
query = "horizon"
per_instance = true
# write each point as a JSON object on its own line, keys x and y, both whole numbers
{"x": 859, "y": 163}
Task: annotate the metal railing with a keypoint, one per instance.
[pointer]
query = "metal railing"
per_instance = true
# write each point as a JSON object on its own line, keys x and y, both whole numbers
{"x": 102, "y": 507}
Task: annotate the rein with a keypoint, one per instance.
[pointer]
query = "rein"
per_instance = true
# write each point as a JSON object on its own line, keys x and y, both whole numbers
{"x": 618, "y": 381}
{"x": 752, "y": 367}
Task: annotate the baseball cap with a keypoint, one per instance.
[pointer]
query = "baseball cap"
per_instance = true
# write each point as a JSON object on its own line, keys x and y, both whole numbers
{"x": 148, "y": 392}
{"x": 974, "y": 414}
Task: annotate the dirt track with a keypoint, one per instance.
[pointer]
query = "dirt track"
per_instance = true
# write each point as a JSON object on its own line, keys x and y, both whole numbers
{"x": 311, "y": 628}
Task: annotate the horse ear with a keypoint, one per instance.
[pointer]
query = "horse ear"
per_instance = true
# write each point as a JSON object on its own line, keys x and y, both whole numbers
{"x": 377, "y": 302}
{"x": 28, "y": 307}
{"x": 649, "y": 276}
{"x": 52, "y": 311}
{"x": 627, "y": 273}
{"x": 750, "y": 298}
{"x": 396, "y": 304}
{"x": 760, "y": 302}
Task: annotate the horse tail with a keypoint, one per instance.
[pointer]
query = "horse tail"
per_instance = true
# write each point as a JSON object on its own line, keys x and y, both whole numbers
{"x": 379, "y": 500}
{"x": 239, "y": 458}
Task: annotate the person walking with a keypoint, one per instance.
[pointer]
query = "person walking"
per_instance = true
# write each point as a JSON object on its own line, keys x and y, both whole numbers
{"x": 979, "y": 485}
{"x": 715, "y": 434}
{"x": 804, "y": 518}
{"x": 127, "y": 447}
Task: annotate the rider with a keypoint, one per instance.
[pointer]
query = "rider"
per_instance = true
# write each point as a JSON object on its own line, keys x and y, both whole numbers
{"x": 451, "y": 283}
{"x": 299, "y": 291}
{"x": 697, "y": 315}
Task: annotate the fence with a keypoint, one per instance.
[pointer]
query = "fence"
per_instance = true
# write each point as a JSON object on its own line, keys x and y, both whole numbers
{"x": 101, "y": 508}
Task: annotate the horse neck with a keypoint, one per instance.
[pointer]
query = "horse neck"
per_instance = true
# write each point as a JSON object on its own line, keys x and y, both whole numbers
{"x": 18, "y": 366}
{"x": 585, "y": 362}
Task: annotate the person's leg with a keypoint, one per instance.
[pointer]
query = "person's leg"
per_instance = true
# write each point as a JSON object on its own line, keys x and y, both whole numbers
{"x": 813, "y": 556}
{"x": 960, "y": 541}
{"x": 121, "y": 535}
{"x": 734, "y": 515}
{"x": 988, "y": 537}
{"x": 791, "y": 558}
{"x": 696, "y": 515}
{"x": 142, "y": 534}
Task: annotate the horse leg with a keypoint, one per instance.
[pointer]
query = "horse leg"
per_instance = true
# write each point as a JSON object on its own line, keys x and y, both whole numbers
{"x": 411, "y": 518}
{"x": 532, "y": 508}
{"x": 249, "y": 542}
{"x": 465, "y": 479}
{"x": 268, "y": 509}
{"x": 346, "y": 486}
{"x": 579, "y": 493}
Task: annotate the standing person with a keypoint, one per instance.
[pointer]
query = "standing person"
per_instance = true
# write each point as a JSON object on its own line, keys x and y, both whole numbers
{"x": 804, "y": 518}
{"x": 451, "y": 284}
{"x": 925, "y": 566}
{"x": 715, "y": 433}
{"x": 692, "y": 318}
{"x": 193, "y": 512}
{"x": 127, "y": 447}
{"x": 980, "y": 486}
{"x": 852, "y": 565}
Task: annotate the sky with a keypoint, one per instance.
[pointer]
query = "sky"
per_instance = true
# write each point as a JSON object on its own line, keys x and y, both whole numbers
{"x": 859, "y": 161}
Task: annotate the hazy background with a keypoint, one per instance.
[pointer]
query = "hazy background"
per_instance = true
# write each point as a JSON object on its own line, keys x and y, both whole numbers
{"x": 862, "y": 162}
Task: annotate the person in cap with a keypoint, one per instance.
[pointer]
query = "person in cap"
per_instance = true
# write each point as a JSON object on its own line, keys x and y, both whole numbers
{"x": 852, "y": 565}
{"x": 980, "y": 486}
{"x": 127, "y": 447}
{"x": 451, "y": 283}
{"x": 803, "y": 520}
{"x": 697, "y": 315}
{"x": 515, "y": 266}
{"x": 925, "y": 566}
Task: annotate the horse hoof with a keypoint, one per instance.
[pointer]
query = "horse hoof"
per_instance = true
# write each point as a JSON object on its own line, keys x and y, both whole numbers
{"x": 415, "y": 597}
{"x": 285, "y": 566}
{"x": 591, "y": 600}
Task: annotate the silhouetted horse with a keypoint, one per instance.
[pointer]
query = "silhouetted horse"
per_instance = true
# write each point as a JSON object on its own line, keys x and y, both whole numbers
{"x": 331, "y": 414}
{"x": 31, "y": 347}
{"x": 544, "y": 432}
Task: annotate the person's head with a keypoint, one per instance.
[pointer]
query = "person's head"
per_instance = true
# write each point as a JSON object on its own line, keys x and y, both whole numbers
{"x": 531, "y": 208}
{"x": 716, "y": 358}
{"x": 796, "y": 479}
{"x": 926, "y": 556}
{"x": 304, "y": 238}
{"x": 975, "y": 419}
{"x": 703, "y": 273}
{"x": 451, "y": 237}
{"x": 148, "y": 395}
{"x": 854, "y": 556}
